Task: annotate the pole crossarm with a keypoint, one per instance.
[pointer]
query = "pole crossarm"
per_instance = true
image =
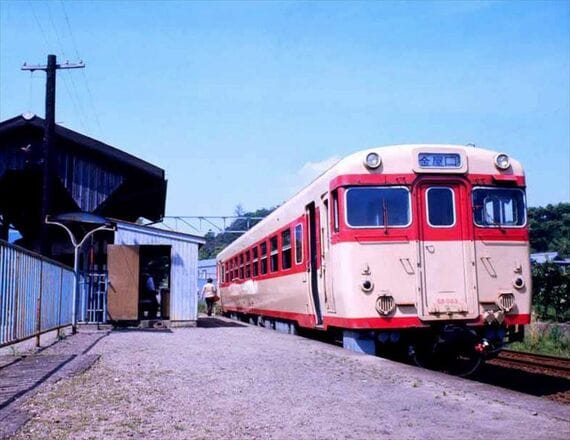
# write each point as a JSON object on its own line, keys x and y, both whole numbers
{"x": 67, "y": 65}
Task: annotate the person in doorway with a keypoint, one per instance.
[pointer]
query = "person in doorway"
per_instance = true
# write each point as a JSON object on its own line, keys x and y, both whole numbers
{"x": 210, "y": 294}
{"x": 150, "y": 293}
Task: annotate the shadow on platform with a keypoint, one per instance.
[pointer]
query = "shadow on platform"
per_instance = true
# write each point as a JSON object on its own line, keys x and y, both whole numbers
{"x": 212, "y": 322}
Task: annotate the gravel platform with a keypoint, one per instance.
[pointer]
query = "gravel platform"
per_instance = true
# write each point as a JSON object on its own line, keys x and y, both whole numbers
{"x": 224, "y": 380}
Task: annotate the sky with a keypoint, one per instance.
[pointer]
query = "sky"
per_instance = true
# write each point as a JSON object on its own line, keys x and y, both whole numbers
{"x": 246, "y": 102}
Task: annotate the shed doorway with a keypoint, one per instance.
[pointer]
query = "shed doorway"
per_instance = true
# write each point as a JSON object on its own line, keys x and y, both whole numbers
{"x": 139, "y": 282}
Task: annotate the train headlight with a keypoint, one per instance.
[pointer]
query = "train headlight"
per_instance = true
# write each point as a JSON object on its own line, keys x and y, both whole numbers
{"x": 385, "y": 305}
{"x": 372, "y": 161}
{"x": 506, "y": 302}
{"x": 367, "y": 286}
{"x": 502, "y": 161}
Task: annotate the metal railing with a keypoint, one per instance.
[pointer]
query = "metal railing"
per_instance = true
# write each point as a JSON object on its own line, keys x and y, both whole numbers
{"x": 93, "y": 297}
{"x": 35, "y": 294}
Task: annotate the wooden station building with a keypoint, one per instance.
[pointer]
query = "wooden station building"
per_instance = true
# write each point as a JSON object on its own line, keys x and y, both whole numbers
{"x": 87, "y": 176}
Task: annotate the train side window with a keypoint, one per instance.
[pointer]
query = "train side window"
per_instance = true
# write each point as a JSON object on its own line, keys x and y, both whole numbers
{"x": 299, "y": 243}
{"x": 440, "y": 207}
{"x": 241, "y": 273}
{"x": 263, "y": 257}
{"x": 335, "y": 211}
{"x": 274, "y": 262}
{"x": 247, "y": 264}
{"x": 286, "y": 249}
{"x": 255, "y": 267}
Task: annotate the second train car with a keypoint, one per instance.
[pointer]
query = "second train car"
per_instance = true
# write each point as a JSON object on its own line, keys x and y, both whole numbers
{"x": 423, "y": 247}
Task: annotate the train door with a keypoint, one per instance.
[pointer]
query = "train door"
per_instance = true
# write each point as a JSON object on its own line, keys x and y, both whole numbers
{"x": 327, "y": 286}
{"x": 448, "y": 289}
{"x": 313, "y": 263}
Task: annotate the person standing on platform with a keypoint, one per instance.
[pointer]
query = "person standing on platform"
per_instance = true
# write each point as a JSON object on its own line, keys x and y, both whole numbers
{"x": 210, "y": 294}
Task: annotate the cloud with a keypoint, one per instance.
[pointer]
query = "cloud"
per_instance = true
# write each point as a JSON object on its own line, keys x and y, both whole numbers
{"x": 307, "y": 173}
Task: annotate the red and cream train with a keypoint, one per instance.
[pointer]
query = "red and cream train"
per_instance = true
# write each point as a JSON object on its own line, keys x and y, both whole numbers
{"x": 421, "y": 244}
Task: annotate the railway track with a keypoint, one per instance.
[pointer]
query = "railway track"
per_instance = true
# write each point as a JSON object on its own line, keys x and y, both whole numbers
{"x": 539, "y": 363}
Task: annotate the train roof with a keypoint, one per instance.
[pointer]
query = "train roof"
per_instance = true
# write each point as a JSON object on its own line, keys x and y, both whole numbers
{"x": 396, "y": 159}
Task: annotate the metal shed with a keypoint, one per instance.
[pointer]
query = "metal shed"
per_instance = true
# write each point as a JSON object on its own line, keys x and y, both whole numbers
{"x": 183, "y": 259}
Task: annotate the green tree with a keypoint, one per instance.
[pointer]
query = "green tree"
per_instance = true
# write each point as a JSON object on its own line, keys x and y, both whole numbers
{"x": 551, "y": 291}
{"x": 215, "y": 243}
{"x": 550, "y": 228}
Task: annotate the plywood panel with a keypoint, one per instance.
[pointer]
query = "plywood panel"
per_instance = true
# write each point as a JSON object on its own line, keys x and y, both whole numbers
{"x": 123, "y": 292}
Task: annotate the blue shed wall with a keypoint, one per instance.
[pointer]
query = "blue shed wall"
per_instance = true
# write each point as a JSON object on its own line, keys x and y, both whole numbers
{"x": 183, "y": 273}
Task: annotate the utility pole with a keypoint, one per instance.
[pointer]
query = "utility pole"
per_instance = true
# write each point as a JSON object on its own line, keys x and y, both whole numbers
{"x": 49, "y": 135}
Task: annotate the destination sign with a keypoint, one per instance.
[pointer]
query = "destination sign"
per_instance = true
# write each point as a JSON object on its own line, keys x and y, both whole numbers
{"x": 439, "y": 160}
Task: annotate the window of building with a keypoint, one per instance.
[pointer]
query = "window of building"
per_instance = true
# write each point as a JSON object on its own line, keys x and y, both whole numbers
{"x": 255, "y": 268}
{"x": 286, "y": 249}
{"x": 263, "y": 257}
{"x": 299, "y": 243}
{"x": 440, "y": 207}
{"x": 375, "y": 207}
{"x": 274, "y": 262}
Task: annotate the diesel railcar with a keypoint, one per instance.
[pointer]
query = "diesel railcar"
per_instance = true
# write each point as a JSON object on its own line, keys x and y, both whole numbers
{"x": 420, "y": 246}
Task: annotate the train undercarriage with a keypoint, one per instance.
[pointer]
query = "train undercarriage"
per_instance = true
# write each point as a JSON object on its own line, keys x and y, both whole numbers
{"x": 451, "y": 348}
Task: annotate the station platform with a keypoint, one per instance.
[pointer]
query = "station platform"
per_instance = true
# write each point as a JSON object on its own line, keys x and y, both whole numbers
{"x": 228, "y": 380}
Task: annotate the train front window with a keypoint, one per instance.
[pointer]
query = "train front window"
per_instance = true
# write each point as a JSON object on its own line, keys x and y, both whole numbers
{"x": 373, "y": 207}
{"x": 440, "y": 207}
{"x": 499, "y": 207}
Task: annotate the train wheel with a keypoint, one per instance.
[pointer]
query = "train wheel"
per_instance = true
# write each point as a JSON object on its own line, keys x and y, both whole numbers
{"x": 452, "y": 351}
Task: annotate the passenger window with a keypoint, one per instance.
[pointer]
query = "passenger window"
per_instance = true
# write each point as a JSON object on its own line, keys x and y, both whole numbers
{"x": 440, "y": 207}
{"x": 299, "y": 244}
{"x": 274, "y": 255}
{"x": 241, "y": 266}
{"x": 263, "y": 256}
{"x": 286, "y": 249}
{"x": 247, "y": 264}
{"x": 255, "y": 268}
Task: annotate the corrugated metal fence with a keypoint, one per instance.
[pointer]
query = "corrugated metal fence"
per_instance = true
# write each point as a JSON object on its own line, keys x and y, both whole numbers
{"x": 35, "y": 294}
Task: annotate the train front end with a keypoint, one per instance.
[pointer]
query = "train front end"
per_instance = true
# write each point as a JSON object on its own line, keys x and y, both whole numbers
{"x": 430, "y": 248}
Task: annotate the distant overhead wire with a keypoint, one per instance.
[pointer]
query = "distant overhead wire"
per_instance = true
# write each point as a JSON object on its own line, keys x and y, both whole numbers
{"x": 73, "y": 94}
{"x": 86, "y": 82}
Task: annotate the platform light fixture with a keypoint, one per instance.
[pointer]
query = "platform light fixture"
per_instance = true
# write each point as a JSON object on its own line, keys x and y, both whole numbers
{"x": 96, "y": 222}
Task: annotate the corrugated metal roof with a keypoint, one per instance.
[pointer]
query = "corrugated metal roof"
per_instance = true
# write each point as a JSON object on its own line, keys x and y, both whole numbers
{"x": 149, "y": 230}
{"x": 85, "y": 142}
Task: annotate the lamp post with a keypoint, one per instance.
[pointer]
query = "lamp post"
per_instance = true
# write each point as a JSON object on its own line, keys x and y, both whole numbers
{"x": 99, "y": 224}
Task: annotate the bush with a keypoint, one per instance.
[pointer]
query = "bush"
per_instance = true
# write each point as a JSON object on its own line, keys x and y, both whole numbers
{"x": 551, "y": 292}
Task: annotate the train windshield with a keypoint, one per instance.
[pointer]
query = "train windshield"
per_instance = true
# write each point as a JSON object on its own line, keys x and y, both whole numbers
{"x": 502, "y": 207}
{"x": 368, "y": 207}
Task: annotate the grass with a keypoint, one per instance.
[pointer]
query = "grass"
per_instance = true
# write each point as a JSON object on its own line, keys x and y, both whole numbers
{"x": 545, "y": 339}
